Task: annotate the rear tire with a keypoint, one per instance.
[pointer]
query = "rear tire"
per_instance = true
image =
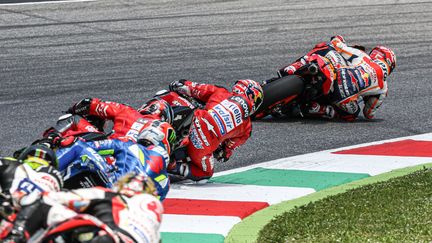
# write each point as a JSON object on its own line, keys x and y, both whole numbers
{"x": 278, "y": 90}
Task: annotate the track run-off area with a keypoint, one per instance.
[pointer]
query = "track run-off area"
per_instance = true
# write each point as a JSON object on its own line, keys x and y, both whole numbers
{"x": 207, "y": 213}
{"x": 54, "y": 54}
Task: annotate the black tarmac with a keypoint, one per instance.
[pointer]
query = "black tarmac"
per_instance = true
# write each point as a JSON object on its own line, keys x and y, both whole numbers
{"x": 52, "y": 55}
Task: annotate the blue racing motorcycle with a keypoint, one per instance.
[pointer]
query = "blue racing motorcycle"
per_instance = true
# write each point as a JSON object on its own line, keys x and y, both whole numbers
{"x": 82, "y": 166}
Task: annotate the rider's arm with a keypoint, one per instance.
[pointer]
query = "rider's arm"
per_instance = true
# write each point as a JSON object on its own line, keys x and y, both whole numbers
{"x": 203, "y": 92}
{"x": 352, "y": 54}
{"x": 290, "y": 69}
{"x": 233, "y": 143}
{"x": 195, "y": 90}
{"x": 105, "y": 109}
{"x": 77, "y": 200}
{"x": 97, "y": 107}
{"x": 320, "y": 49}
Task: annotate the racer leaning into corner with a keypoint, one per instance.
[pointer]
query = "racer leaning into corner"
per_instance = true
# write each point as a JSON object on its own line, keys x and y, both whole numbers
{"x": 127, "y": 122}
{"x": 148, "y": 155}
{"x": 140, "y": 141}
{"x": 218, "y": 128}
{"x": 129, "y": 212}
{"x": 24, "y": 178}
{"x": 350, "y": 75}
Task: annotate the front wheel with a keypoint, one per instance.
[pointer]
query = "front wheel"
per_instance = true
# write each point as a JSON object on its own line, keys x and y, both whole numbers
{"x": 280, "y": 91}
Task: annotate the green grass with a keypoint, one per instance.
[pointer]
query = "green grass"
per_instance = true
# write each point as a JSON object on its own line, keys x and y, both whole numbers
{"x": 397, "y": 210}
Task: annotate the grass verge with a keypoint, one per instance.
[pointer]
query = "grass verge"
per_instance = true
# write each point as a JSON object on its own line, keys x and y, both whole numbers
{"x": 396, "y": 210}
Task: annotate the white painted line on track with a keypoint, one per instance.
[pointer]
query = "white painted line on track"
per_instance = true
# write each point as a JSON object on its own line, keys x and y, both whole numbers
{"x": 45, "y": 2}
{"x": 368, "y": 164}
{"x": 300, "y": 160}
{"x": 198, "y": 224}
{"x": 234, "y": 192}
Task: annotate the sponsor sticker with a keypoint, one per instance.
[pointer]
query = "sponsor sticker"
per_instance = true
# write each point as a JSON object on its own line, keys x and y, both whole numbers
{"x": 235, "y": 110}
{"x": 384, "y": 68}
{"x": 196, "y": 142}
{"x": 218, "y": 122}
{"x": 242, "y": 103}
{"x": 226, "y": 117}
{"x": 135, "y": 129}
{"x": 201, "y": 133}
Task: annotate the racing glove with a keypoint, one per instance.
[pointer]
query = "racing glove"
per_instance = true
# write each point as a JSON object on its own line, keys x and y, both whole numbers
{"x": 291, "y": 69}
{"x": 80, "y": 108}
{"x": 222, "y": 154}
{"x": 54, "y": 140}
{"x": 180, "y": 87}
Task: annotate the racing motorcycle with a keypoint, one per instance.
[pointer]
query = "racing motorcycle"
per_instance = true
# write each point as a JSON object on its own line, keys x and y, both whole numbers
{"x": 284, "y": 96}
{"x": 90, "y": 169}
{"x": 87, "y": 170}
{"x": 81, "y": 228}
{"x": 183, "y": 107}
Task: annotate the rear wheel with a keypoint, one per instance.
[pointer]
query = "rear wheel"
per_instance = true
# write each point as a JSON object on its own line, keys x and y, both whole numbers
{"x": 279, "y": 90}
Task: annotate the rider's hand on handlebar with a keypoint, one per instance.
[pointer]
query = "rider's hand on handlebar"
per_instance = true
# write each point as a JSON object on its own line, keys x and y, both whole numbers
{"x": 175, "y": 85}
{"x": 80, "y": 107}
{"x": 179, "y": 87}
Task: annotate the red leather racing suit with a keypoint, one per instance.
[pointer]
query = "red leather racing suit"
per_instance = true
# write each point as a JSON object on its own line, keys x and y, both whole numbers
{"x": 353, "y": 76}
{"x": 128, "y": 122}
{"x": 224, "y": 120}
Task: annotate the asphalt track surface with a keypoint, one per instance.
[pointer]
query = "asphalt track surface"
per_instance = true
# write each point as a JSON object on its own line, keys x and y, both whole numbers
{"x": 52, "y": 55}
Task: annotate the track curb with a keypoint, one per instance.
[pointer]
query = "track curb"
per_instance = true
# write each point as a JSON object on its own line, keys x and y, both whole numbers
{"x": 248, "y": 229}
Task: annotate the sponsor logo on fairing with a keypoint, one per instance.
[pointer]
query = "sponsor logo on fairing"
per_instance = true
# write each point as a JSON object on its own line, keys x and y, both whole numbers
{"x": 90, "y": 128}
{"x": 100, "y": 143}
{"x": 203, "y": 163}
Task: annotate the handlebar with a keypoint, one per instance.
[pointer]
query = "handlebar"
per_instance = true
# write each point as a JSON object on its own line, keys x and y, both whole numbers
{"x": 308, "y": 69}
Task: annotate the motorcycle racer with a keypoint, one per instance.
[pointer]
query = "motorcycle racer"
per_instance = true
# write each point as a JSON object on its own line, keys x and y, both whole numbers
{"x": 23, "y": 179}
{"x": 128, "y": 122}
{"x": 218, "y": 128}
{"x": 149, "y": 155}
{"x": 350, "y": 75}
{"x": 130, "y": 210}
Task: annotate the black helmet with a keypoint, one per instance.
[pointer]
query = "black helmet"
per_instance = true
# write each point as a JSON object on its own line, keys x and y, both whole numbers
{"x": 38, "y": 155}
